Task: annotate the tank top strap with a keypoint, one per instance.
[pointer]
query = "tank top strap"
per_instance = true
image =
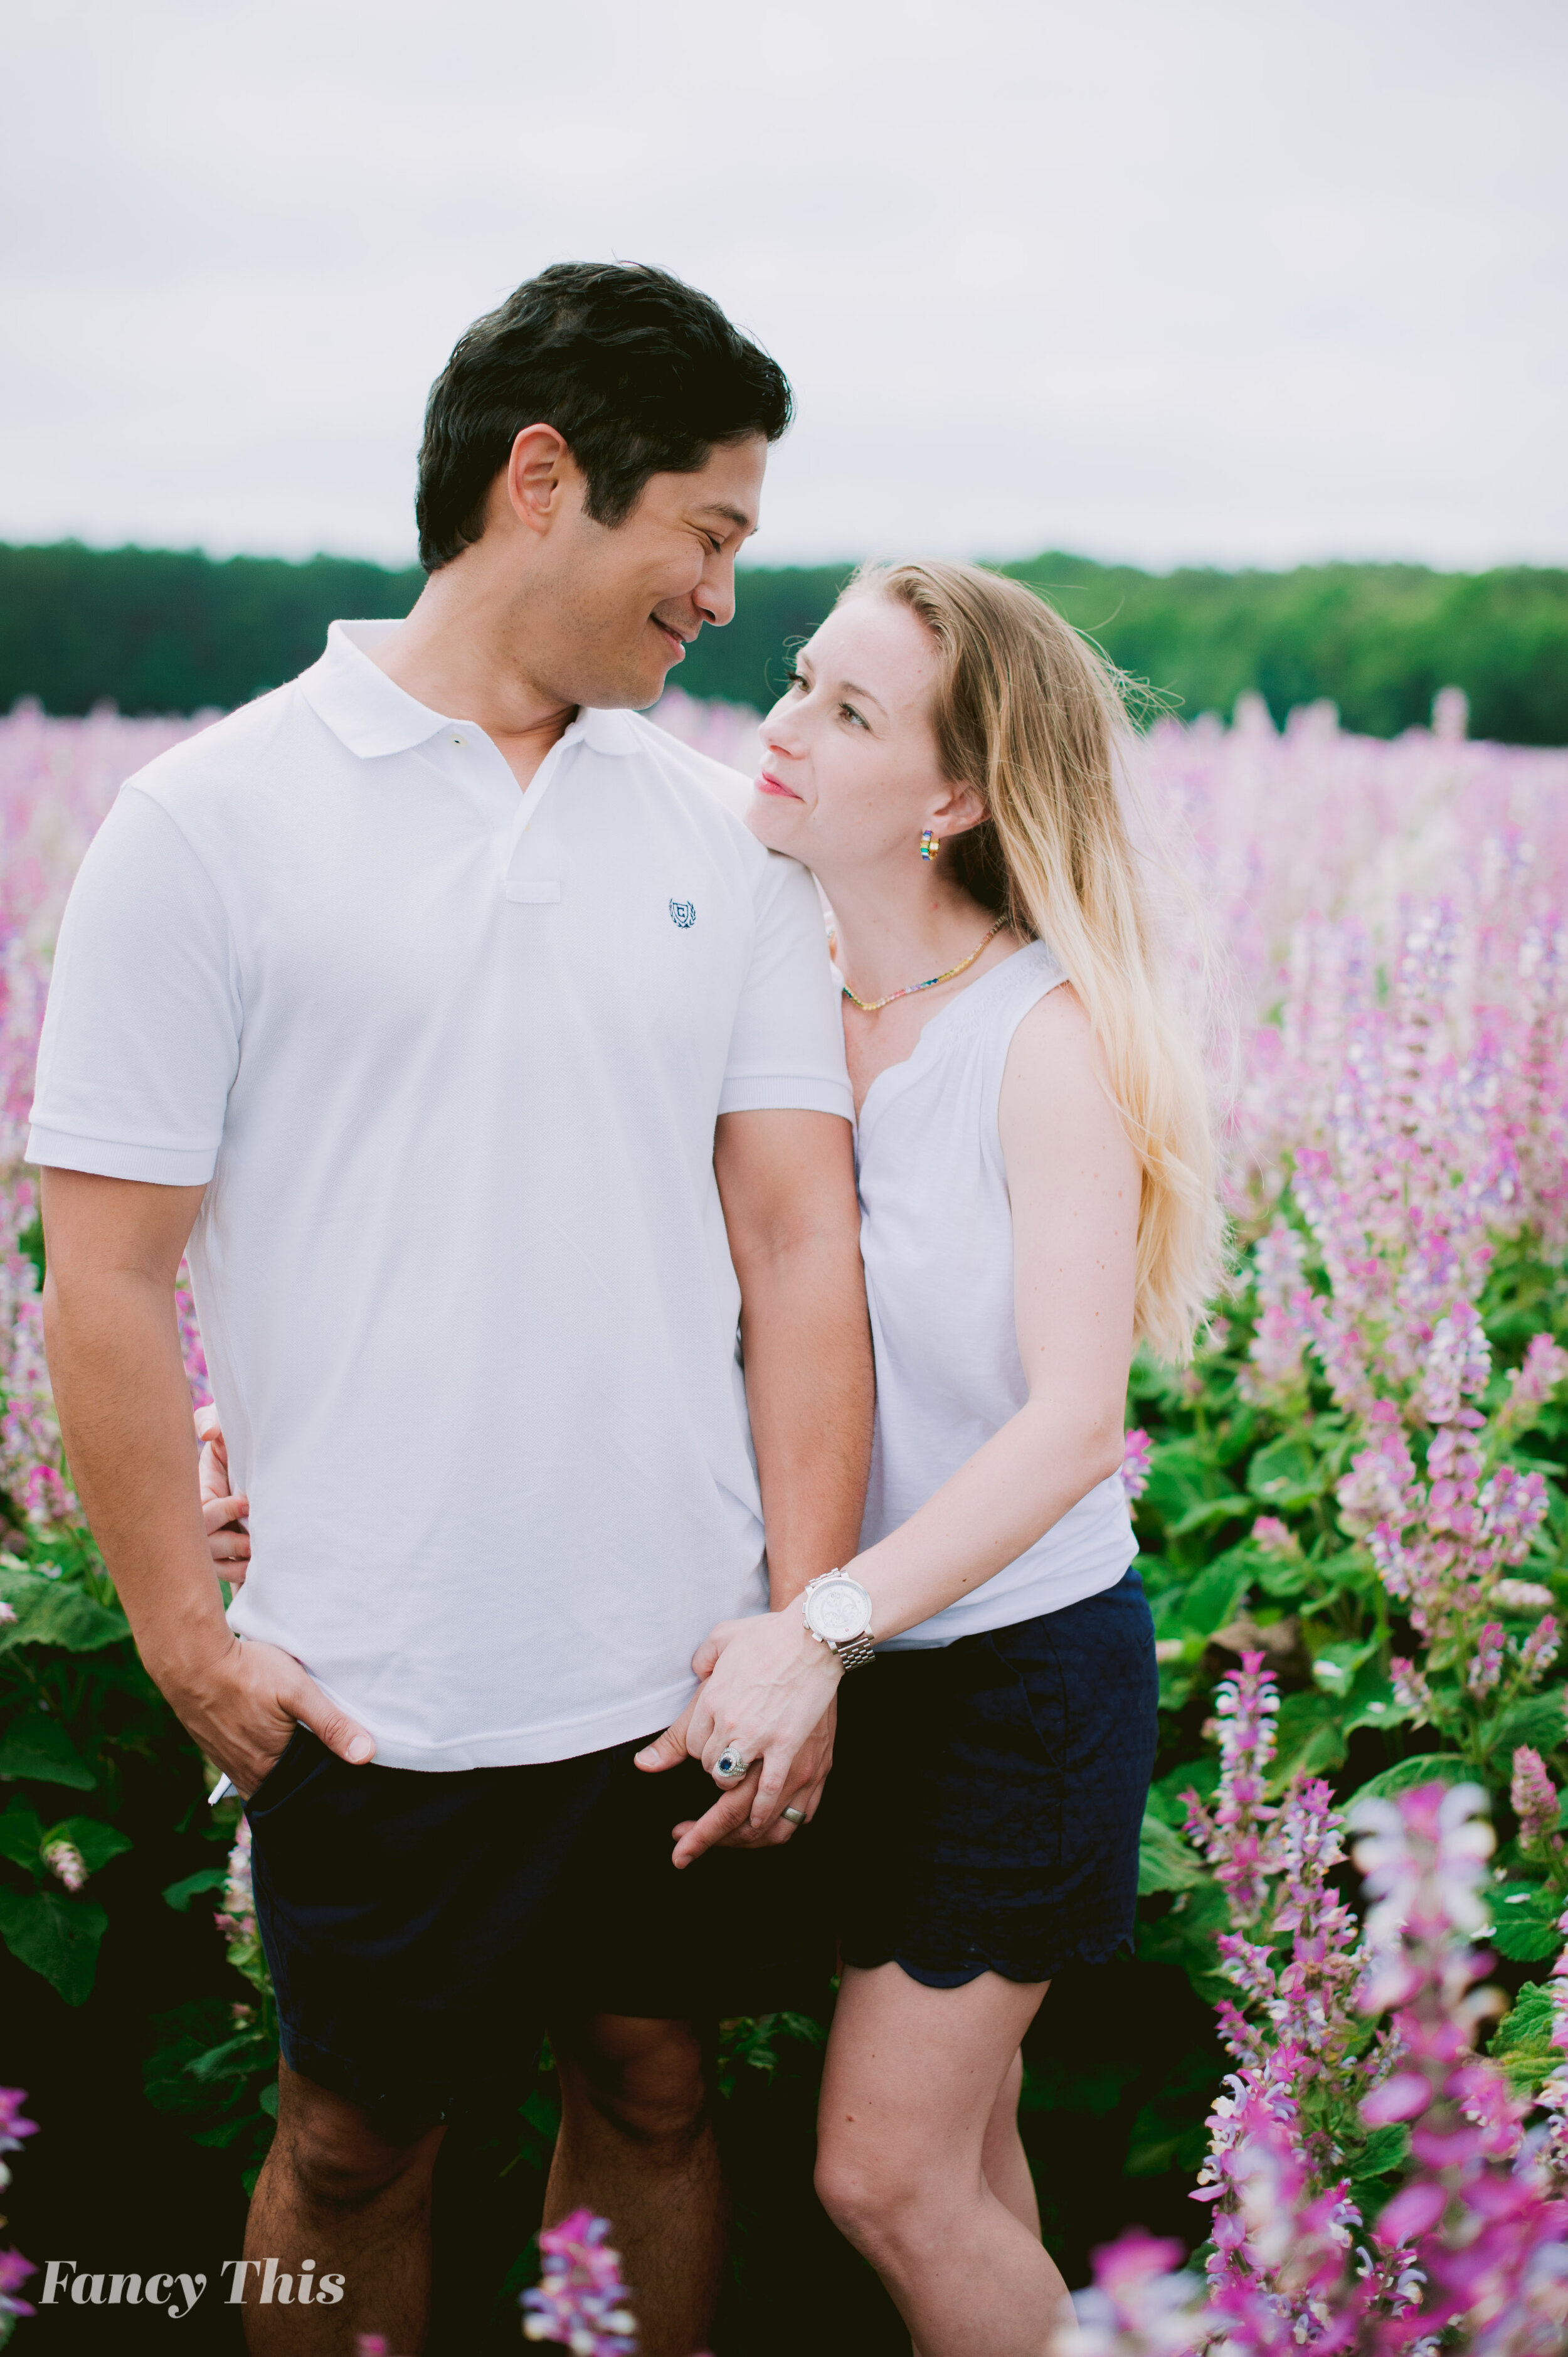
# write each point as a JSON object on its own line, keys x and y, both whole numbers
{"x": 1018, "y": 985}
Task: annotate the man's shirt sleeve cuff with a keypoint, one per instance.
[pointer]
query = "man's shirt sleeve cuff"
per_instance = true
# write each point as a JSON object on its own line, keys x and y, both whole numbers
{"x": 107, "y": 1158}
{"x": 785, "y": 1092}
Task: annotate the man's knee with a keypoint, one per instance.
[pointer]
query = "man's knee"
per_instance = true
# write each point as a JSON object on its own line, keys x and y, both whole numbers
{"x": 647, "y": 2078}
{"x": 336, "y": 2157}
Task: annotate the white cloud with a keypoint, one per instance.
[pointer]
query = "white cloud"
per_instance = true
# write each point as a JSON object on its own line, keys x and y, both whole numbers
{"x": 1209, "y": 281}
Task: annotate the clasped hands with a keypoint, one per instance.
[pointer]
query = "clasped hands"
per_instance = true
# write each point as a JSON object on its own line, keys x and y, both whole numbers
{"x": 769, "y": 1690}
{"x": 767, "y": 1686}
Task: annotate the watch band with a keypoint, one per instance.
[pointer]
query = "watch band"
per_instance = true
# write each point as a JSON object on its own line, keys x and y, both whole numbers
{"x": 857, "y": 1653}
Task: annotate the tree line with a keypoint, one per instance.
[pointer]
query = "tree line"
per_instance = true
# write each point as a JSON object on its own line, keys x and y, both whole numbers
{"x": 156, "y": 630}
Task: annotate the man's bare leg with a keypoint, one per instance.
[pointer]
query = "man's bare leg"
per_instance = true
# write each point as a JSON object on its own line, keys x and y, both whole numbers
{"x": 333, "y": 2190}
{"x": 636, "y": 2144}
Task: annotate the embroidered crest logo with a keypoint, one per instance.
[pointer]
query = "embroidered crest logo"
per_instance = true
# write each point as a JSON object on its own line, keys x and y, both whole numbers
{"x": 684, "y": 913}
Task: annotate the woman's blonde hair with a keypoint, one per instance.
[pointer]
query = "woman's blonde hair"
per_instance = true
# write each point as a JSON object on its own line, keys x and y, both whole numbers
{"x": 1031, "y": 716}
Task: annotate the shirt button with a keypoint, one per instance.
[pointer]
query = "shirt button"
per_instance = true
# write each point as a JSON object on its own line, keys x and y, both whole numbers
{"x": 457, "y": 740}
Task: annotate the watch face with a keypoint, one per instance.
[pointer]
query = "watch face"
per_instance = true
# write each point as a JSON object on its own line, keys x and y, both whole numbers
{"x": 840, "y": 1610}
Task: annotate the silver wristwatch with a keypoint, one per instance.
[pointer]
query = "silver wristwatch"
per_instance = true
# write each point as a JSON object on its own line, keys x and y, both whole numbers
{"x": 837, "y": 1611}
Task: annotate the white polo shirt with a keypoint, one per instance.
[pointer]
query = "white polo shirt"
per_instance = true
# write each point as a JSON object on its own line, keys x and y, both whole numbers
{"x": 449, "y": 1057}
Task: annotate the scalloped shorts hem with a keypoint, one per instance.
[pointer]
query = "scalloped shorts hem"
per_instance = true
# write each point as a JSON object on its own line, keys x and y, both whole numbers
{"x": 948, "y": 1977}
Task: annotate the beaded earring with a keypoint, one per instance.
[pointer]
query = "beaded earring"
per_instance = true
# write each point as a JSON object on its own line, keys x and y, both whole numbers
{"x": 930, "y": 845}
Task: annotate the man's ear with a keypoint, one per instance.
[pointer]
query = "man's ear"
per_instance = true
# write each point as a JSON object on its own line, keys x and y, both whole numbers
{"x": 542, "y": 477}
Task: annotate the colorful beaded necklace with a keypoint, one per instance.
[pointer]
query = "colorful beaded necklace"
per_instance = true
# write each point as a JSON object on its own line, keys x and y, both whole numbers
{"x": 875, "y": 1006}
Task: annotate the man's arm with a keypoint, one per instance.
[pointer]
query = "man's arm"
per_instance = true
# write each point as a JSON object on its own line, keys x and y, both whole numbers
{"x": 786, "y": 1184}
{"x": 113, "y": 1249}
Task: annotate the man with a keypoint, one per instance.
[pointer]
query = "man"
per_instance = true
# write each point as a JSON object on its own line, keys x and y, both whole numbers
{"x": 488, "y": 1070}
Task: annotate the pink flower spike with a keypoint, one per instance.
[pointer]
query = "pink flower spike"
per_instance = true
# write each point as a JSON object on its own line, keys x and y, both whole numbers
{"x": 1533, "y": 1795}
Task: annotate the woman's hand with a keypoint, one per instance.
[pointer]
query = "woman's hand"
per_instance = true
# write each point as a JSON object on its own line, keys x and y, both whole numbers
{"x": 228, "y": 1541}
{"x": 768, "y": 1686}
{"x": 727, "y": 1824}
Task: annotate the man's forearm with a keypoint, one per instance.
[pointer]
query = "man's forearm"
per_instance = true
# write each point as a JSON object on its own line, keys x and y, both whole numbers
{"x": 810, "y": 1392}
{"x": 124, "y": 1412}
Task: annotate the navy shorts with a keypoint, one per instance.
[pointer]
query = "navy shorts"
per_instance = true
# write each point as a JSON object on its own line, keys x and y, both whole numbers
{"x": 425, "y": 1929}
{"x": 986, "y": 1796}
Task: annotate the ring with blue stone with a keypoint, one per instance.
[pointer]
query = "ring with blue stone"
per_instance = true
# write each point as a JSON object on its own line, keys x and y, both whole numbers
{"x": 730, "y": 1766}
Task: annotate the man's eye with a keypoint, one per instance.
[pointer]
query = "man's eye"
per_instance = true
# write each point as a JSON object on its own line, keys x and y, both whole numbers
{"x": 716, "y": 546}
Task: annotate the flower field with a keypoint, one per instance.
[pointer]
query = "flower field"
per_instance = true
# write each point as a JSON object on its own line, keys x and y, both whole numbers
{"x": 1353, "y": 1518}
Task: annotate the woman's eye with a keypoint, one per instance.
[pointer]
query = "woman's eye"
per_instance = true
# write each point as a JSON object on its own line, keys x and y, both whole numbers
{"x": 851, "y": 714}
{"x": 792, "y": 680}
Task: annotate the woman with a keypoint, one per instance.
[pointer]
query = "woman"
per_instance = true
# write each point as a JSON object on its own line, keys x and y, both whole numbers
{"x": 1036, "y": 1189}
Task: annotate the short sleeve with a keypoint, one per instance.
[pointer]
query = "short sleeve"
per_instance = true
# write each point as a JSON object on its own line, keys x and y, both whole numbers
{"x": 787, "y": 1048}
{"x": 141, "y": 1036}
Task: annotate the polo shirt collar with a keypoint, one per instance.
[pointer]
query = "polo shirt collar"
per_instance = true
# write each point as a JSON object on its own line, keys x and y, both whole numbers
{"x": 371, "y": 714}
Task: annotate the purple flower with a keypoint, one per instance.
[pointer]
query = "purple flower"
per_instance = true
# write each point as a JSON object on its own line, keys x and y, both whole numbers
{"x": 1534, "y": 1797}
{"x": 66, "y": 1862}
{"x": 13, "y": 2126}
{"x": 580, "y": 2300}
{"x": 1486, "y": 1667}
{"x": 1136, "y": 1450}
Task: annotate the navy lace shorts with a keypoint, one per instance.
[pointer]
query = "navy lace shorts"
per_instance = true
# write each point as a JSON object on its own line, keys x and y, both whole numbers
{"x": 983, "y": 1809}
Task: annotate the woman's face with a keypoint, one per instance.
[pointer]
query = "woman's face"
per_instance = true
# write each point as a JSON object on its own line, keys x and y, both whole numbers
{"x": 850, "y": 774}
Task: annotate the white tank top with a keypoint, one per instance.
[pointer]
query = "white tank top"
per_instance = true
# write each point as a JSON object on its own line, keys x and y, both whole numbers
{"x": 937, "y": 1235}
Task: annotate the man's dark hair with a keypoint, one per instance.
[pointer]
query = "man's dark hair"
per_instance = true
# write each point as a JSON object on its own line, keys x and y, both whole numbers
{"x": 639, "y": 374}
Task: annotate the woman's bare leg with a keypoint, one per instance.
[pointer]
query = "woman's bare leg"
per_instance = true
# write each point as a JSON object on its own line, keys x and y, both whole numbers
{"x": 1002, "y": 2160}
{"x": 911, "y": 2088}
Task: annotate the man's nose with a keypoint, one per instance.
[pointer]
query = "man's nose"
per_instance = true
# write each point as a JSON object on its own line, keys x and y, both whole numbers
{"x": 716, "y": 592}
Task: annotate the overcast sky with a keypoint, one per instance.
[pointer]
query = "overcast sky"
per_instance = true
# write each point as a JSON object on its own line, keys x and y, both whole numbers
{"x": 1164, "y": 280}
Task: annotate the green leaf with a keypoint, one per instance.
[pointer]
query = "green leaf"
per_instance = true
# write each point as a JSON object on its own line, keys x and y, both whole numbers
{"x": 179, "y": 1895}
{"x": 1185, "y": 1935}
{"x": 1425, "y": 1768}
{"x": 1214, "y": 1598}
{"x": 1200, "y": 1776}
{"x": 1524, "y": 1921}
{"x": 40, "y": 1748}
{"x": 1539, "y": 1720}
{"x": 1377, "y": 2170}
{"x": 1208, "y": 1515}
{"x": 1181, "y": 1476}
{"x": 235, "y": 2059}
{"x": 56, "y": 1612}
{"x": 1370, "y": 1700}
{"x": 21, "y": 1837}
{"x": 1288, "y": 1474}
{"x": 1334, "y": 1666}
{"x": 55, "y": 1936}
{"x": 97, "y": 1843}
{"x": 1521, "y": 2042}
{"x": 1166, "y": 1862}
{"x": 1052, "y": 2085}
{"x": 1310, "y": 1737}
{"x": 1171, "y": 2131}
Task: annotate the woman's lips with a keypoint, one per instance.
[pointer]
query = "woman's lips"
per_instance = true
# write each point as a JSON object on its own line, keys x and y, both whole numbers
{"x": 767, "y": 784}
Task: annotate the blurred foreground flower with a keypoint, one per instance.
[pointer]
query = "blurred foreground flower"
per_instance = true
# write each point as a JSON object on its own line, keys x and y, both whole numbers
{"x": 580, "y": 2301}
{"x": 1471, "y": 2253}
{"x": 13, "y": 2268}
